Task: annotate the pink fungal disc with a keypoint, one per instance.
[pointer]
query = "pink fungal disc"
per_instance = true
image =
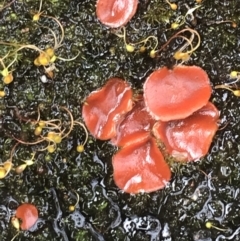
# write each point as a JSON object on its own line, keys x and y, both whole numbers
{"x": 28, "y": 214}
{"x": 115, "y": 13}
{"x": 104, "y": 108}
{"x": 135, "y": 126}
{"x": 140, "y": 167}
{"x": 189, "y": 139}
{"x": 172, "y": 94}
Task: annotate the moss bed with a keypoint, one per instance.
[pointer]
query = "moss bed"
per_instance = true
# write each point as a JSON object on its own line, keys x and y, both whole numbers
{"x": 200, "y": 192}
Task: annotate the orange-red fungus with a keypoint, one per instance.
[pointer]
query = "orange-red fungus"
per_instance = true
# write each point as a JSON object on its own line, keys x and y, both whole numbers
{"x": 135, "y": 126}
{"x": 115, "y": 13}
{"x": 189, "y": 139}
{"x": 140, "y": 167}
{"x": 103, "y": 109}
{"x": 172, "y": 94}
{"x": 28, "y": 214}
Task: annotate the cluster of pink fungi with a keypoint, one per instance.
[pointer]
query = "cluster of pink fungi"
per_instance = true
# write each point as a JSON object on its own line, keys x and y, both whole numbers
{"x": 174, "y": 111}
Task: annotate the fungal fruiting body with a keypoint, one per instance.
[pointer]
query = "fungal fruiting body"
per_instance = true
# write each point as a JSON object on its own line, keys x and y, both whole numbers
{"x": 172, "y": 94}
{"x": 189, "y": 139}
{"x": 135, "y": 126}
{"x": 174, "y": 110}
{"x": 115, "y": 13}
{"x": 140, "y": 167}
{"x": 28, "y": 214}
{"x": 103, "y": 109}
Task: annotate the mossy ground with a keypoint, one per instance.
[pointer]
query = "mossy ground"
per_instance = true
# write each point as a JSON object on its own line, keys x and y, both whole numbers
{"x": 178, "y": 212}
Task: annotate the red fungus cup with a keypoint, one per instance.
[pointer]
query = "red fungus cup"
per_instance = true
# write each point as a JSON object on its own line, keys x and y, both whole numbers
{"x": 172, "y": 94}
{"x": 189, "y": 139}
{"x": 115, "y": 13}
{"x": 140, "y": 167}
{"x": 28, "y": 214}
{"x": 135, "y": 126}
{"x": 104, "y": 108}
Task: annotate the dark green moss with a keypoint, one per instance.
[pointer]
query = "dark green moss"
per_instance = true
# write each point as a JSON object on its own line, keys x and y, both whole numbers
{"x": 204, "y": 191}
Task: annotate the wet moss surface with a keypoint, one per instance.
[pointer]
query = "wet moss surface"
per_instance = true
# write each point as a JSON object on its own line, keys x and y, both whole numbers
{"x": 199, "y": 192}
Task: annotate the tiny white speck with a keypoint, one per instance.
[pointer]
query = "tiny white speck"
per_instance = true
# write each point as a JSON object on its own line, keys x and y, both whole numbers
{"x": 44, "y": 79}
